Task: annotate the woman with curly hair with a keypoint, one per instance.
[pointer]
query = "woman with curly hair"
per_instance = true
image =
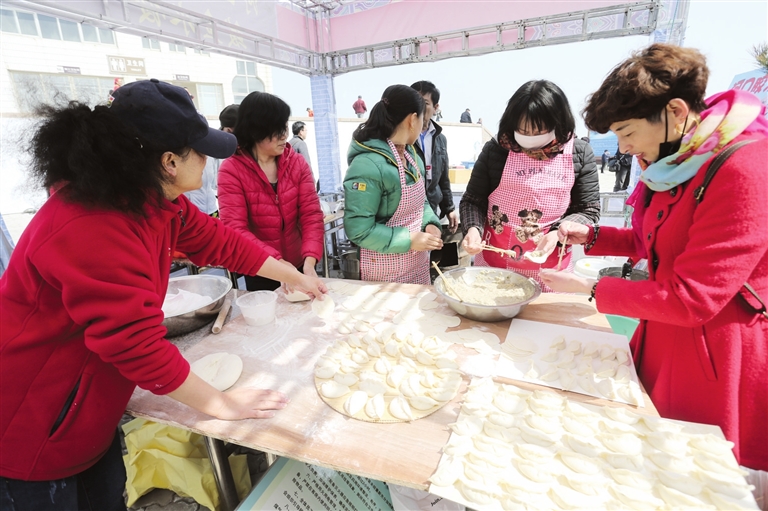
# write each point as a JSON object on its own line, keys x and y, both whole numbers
{"x": 701, "y": 349}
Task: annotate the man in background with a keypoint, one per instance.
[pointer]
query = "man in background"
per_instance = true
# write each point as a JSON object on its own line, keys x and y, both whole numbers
{"x": 465, "y": 117}
{"x": 604, "y": 159}
{"x": 359, "y": 107}
{"x": 298, "y": 143}
{"x": 205, "y": 197}
{"x": 310, "y": 112}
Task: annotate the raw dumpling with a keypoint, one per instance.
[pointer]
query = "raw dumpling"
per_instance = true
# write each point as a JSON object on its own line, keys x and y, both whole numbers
{"x": 588, "y": 485}
{"x": 373, "y": 350}
{"x": 585, "y": 447}
{"x": 622, "y": 444}
{"x": 680, "y": 482}
{"x": 400, "y": 409}
{"x": 676, "y": 498}
{"x": 396, "y": 376}
{"x": 672, "y": 443}
{"x": 579, "y": 463}
{"x": 375, "y": 407}
{"x": 500, "y": 433}
{"x": 326, "y": 371}
{"x": 355, "y": 402}
{"x": 632, "y": 479}
{"x": 726, "y": 502}
{"x": 448, "y": 472}
{"x": 296, "y": 296}
{"x": 509, "y": 403}
{"x": 567, "y": 498}
{"x": 373, "y": 387}
{"x": 666, "y": 461}
{"x": 636, "y": 498}
{"x": 627, "y": 461}
{"x": 711, "y": 444}
{"x": 468, "y": 426}
{"x": 347, "y": 379}
{"x": 410, "y": 387}
{"x": 537, "y": 472}
{"x": 502, "y": 419}
{"x": 535, "y": 453}
{"x": 382, "y": 366}
{"x": 422, "y": 403}
{"x": 333, "y": 389}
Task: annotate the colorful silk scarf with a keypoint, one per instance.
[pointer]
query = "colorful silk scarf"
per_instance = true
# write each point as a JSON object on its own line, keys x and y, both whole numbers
{"x": 730, "y": 114}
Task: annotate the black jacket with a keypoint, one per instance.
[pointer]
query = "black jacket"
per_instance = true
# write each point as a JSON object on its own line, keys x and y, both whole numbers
{"x": 584, "y": 207}
{"x": 439, "y": 187}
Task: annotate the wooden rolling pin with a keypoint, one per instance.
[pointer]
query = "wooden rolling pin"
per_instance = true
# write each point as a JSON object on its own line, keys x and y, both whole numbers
{"x": 222, "y": 313}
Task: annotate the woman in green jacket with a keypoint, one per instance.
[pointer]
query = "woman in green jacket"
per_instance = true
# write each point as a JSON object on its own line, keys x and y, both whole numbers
{"x": 386, "y": 209}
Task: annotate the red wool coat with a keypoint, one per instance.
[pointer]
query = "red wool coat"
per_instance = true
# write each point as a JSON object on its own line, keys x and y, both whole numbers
{"x": 82, "y": 325}
{"x": 701, "y": 353}
{"x": 289, "y": 224}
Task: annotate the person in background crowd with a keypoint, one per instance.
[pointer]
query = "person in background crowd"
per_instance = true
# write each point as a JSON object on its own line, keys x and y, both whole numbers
{"x": 298, "y": 143}
{"x": 466, "y": 117}
{"x": 82, "y": 295}
{"x": 386, "y": 208}
{"x": 524, "y": 184}
{"x": 701, "y": 349}
{"x": 205, "y": 196}
{"x": 438, "y": 114}
{"x": 359, "y": 107}
{"x": 604, "y": 160}
{"x": 267, "y": 190}
{"x": 624, "y": 161}
{"x": 310, "y": 112}
{"x": 432, "y": 147}
{"x": 117, "y": 83}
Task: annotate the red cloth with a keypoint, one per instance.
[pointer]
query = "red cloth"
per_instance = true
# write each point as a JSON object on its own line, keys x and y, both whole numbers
{"x": 700, "y": 352}
{"x": 287, "y": 225}
{"x": 81, "y": 308}
{"x": 359, "y": 106}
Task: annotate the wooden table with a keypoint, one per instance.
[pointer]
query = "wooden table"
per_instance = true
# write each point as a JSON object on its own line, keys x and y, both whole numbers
{"x": 281, "y": 356}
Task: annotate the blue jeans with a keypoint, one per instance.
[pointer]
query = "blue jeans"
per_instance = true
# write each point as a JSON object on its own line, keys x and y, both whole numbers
{"x": 99, "y": 488}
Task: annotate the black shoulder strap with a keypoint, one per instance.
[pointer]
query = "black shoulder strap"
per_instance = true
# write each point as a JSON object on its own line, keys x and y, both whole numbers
{"x": 715, "y": 166}
{"x": 699, "y": 195}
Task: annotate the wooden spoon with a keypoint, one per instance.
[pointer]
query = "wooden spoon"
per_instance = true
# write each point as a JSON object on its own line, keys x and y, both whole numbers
{"x": 448, "y": 287}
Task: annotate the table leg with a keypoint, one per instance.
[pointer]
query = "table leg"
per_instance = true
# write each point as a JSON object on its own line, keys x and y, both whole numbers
{"x": 326, "y": 273}
{"x": 223, "y": 473}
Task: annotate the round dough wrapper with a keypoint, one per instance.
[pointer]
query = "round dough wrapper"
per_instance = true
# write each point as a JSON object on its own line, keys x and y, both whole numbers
{"x": 220, "y": 370}
{"x": 323, "y": 308}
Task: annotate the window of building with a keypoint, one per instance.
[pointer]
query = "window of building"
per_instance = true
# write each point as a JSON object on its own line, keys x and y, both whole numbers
{"x": 27, "y": 23}
{"x": 106, "y": 36}
{"x": 177, "y": 47}
{"x": 201, "y": 52}
{"x": 69, "y": 31}
{"x": 210, "y": 98}
{"x": 8, "y": 21}
{"x": 150, "y": 44}
{"x": 34, "y": 89}
{"x": 90, "y": 34}
{"x": 49, "y": 27}
{"x": 246, "y": 81}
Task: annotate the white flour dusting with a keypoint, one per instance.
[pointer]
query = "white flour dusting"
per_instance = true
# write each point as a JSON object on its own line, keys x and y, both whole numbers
{"x": 183, "y": 301}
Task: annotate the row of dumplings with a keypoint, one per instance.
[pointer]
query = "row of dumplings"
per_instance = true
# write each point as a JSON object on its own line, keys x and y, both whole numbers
{"x": 537, "y": 449}
{"x": 596, "y": 370}
{"x": 405, "y": 373}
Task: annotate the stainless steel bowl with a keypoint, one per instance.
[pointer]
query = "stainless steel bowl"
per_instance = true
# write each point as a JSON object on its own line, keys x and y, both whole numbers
{"x": 214, "y": 287}
{"x": 485, "y": 313}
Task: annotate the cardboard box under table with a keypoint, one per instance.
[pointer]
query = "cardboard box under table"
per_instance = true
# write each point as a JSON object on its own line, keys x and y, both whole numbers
{"x": 281, "y": 356}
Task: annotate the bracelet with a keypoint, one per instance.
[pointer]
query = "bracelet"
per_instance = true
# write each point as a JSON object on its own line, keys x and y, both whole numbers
{"x": 592, "y": 293}
{"x": 591, "y": 243}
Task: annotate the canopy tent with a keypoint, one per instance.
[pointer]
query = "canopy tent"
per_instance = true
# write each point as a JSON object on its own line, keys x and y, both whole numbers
{"x": 324, "y": 38}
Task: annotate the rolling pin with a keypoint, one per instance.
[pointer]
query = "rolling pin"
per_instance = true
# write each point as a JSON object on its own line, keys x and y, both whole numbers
{"x": 222, "y": 314}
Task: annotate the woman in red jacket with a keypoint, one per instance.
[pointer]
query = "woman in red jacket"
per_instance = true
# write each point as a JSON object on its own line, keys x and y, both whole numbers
{"x": 701, "y": 349}
{"x": 267, "y": 190}
{"x": 82, "y": 296}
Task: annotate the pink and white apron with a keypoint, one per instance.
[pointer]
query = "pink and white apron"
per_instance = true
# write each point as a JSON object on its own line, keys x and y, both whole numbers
{"x": 413, "y": 266}
{"x": 531, "y": 196}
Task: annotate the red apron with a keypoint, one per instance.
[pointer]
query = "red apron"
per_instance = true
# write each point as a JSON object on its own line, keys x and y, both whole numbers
{"x": 413, "y": 266}
{"x": 531, "y": 196}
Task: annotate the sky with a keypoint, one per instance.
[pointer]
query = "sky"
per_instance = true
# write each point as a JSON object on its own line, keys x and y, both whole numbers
{"x": 724, "y": 31}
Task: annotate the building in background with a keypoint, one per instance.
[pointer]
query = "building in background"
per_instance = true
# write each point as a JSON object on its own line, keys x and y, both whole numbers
{"x": 47, "y": 59}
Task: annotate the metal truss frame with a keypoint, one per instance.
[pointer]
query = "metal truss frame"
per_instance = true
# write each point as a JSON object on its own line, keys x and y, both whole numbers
{"x": 211, "y": 34}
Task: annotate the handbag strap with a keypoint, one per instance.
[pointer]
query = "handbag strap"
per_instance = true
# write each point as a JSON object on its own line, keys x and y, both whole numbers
{"x": 698, "y": 194}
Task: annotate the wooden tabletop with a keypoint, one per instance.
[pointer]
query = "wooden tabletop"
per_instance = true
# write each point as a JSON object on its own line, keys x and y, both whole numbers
{"x": 281, "y": 356}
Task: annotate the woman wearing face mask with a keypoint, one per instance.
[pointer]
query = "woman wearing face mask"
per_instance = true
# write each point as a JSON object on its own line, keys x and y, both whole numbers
{"x": 524, "y": 184}
{"x": 701, "y": 349}
{"x": 386, "y": 211}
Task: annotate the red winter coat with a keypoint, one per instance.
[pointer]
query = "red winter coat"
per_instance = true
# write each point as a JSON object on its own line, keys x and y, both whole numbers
{"x": 701, "y": 353}
{"x": 289, "y": 224}
{"x": 82, "y": 325}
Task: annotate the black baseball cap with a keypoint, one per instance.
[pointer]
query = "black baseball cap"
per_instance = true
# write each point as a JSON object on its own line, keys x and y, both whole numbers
{"x": 165, "y": 115}
{"x": 228, "y": 116}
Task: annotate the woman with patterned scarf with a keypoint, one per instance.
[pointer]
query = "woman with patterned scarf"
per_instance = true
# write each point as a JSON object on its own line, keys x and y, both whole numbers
{"x": 534, "y": 176}
{"x": 701, "y": 349}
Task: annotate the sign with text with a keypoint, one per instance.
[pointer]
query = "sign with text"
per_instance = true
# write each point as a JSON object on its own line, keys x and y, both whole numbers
{"x": 126, "y": 65}
{"x": 755, "y": 82}
{"x": 290, "y": 485}
{"x": 69, "y": 70}
{"x": 182, "y": 78}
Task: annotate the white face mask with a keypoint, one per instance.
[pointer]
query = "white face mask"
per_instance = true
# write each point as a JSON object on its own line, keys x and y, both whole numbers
{"x": 535, "y": 141}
